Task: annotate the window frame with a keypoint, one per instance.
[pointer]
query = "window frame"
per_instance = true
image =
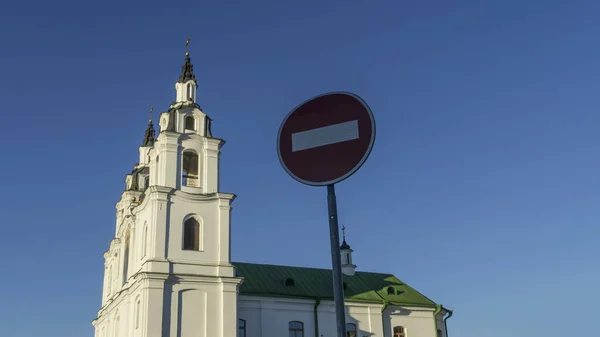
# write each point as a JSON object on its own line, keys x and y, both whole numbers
{"x": 401, "y": 333}
{"x": 193, "y": 234}
{"x": 144, "y": 240}
{"x": 186, "y": 121}
{"x": 138, "y": 308}
{"x": 126, "y": 253}
{"x": 242, "y": 328}
{"x": 192, "y": 157}
{"x": 295, "y": 331}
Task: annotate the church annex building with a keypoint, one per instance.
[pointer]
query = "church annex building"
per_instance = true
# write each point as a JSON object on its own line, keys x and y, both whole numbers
{"x": 168, "y": 270}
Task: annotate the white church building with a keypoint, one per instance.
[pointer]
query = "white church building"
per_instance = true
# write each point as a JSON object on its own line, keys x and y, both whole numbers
{"x": 168, "y": 271}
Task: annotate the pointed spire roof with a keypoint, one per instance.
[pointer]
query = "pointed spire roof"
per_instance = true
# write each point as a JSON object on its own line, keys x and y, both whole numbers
{"x": 149, "y": 134}
{"x": 344, "y": 244}
{"x": 187, "y": 70}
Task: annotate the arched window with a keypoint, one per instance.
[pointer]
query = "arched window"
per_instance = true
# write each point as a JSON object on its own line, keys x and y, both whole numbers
{"x": 346, "y": 257}
{"x": 191, "y": 234}
{"x": 190, "y": 123}
{"x": 296, "y": 329}
{"x": 190, "y": 169}
{"x": 138, "y": 307}
{"x": 241, "y": 328}
{"x": 154, "y": 171}
{"x": 390, "y": 291}
{"x": 116, "y": 329}
{"x": 189, "y": 91}
{"x": 350, "y": 330}
{"x": 399, "y": 331}
{"x": 126, "y": 257}
{"x": 109, "y": 281}
{"x": 144, "y": 240}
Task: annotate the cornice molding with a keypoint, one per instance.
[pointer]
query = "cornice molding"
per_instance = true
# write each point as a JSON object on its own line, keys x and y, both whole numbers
{"x": 219, "y": 196}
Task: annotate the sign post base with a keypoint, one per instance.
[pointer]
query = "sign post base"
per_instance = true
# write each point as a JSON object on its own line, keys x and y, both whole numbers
{"x": 336, "y": 259}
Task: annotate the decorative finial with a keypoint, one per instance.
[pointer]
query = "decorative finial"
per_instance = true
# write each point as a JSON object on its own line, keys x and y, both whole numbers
{"x": 187, "y": 46}
{"x": 344, "y": 233}
{"x": 149, "y": 134}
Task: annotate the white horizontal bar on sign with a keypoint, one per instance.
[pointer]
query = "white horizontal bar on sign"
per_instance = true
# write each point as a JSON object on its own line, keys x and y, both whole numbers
{"x": 326, "y": 135}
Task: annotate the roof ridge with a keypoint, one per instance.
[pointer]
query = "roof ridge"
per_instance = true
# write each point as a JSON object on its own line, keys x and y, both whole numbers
{"x": 313, "y": 268}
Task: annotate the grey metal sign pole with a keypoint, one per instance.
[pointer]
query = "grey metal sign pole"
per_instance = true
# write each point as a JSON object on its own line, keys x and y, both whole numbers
{"x": 336, "y": 259}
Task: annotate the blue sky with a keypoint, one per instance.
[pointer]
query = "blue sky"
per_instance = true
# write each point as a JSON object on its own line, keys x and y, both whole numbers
{"x": 481, "y": 190}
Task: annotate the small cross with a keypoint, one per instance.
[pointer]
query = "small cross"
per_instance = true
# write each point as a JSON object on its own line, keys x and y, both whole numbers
{"x": 187, "y": 45}
{"x": 151, "y": 109}
{"x": 344, "y": 232}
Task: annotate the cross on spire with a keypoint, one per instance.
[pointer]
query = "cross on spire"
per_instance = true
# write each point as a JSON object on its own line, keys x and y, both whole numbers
{"x": 344, "y": 243}
{"x": 187, "y": 47}
{"x": 151, "y": 109}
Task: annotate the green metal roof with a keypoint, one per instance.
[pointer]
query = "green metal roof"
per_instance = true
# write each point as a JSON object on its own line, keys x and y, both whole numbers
{"x": 270, "y": 280}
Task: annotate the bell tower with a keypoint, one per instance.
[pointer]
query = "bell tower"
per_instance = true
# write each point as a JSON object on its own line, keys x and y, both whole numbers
{"x": 168, "y": 271}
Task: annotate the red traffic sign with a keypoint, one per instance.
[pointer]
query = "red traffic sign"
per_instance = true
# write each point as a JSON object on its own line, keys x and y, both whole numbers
{"x": 326, "y": 139}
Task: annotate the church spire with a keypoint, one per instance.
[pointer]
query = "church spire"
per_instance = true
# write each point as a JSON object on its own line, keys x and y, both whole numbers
{"x": 348, "y": 268}
{"x": 149, "y": 134}
{"x": 187, "y": 70}
{"x": 344, "y": 244}
{"x": 186, "y": 84}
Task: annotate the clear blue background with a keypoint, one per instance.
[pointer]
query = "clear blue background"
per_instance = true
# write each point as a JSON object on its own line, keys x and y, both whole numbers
{"x": 481, "y": 191}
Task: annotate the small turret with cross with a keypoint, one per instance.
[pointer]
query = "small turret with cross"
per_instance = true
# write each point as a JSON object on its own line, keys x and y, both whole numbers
{"x": 347, "y": 267}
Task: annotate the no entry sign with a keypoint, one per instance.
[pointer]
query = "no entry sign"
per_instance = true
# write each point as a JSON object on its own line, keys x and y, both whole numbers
{"x": 326, "y": 139}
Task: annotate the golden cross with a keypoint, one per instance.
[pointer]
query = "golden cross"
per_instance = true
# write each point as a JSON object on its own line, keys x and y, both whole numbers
{"x": 187, "y": 46}
{"x": 151, "y": 109}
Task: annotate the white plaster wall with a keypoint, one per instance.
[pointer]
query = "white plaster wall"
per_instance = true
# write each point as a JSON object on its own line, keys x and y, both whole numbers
{"x": 269, "y": 317}
{"x": 417, "y": 322}
{"x": 367, "y": 318}
{"x": 169, "y": 150}
{"x": 181, "y": 91}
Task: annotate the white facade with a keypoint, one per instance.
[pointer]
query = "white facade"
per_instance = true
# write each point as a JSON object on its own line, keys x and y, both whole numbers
{"x": 270, "y": 317}
{"x": 168, "y": 271}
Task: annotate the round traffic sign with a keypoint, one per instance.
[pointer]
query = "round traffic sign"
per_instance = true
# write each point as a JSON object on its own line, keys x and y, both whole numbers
{"x": 326, "y": 139}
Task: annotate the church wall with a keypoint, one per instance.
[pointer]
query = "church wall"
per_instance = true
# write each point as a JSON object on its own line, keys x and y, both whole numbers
{"x": 417, "y": 322}
{"x": 269, "y": 317}
{"x": 118, "y": 317}
{"x": 366, "y": 317}
{"x": 189, "y": 308}
{"x": 266, "y": 317}
{"x": 207, "y": 214}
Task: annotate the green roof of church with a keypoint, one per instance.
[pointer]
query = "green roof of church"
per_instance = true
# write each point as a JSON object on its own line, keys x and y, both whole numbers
{"x": 270, "y": 281}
